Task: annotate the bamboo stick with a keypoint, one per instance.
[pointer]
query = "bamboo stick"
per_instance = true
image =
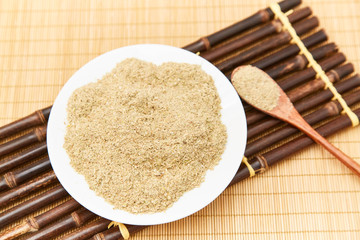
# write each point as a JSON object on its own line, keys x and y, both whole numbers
{"x": 296, "y": 79}
{"x": 273, "y": 27}
{"x": 89, "y": 230}
{"x": 269, "y": 44}
{"x": 26, "y": 188}
{"x": 33, "y": 224}
{"x": 307, "y": 104}
{"x": 290, "y": 50}
{"x": 23, "y": 157}
{"x": 318, "y": 84}
{"x": 39, "y": 117}
{"x": 304, "y": 75}
{"x": 262, "y": 16}
{"x": 13, "y": 179}
{"x": 37, "y": 135}
{"x": 75, "y": 219}
{"x": 31, "y": 205}
{"x": 114, "y": 233}
{"x": 330, "y": 109}
{"x": 300, "y": 61}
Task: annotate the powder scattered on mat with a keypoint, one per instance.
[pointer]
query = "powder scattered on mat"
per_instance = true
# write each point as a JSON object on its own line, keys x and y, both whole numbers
{"x": 143, "y": 135}
{"x": 255, "y": 87}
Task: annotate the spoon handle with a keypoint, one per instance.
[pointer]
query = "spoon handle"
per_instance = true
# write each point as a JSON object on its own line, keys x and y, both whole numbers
{"x": 314, "y": 135}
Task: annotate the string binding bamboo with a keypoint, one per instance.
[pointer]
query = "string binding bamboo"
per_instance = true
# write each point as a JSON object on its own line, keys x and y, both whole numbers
{"x": 123, "y": 229}
{"x": 252, "y": 171}
{"x": 312, "y": 63}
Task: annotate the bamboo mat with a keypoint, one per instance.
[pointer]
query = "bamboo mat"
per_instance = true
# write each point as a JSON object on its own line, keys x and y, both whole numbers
{"x": 308, "y": 196}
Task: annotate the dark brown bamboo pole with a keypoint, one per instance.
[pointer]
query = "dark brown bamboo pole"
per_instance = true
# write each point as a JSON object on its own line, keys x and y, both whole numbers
{"x": 37, "y": 118}
{"x": 269, "y": 44}
{"x": 302, "y": 76}
{"x": 306, "y": 104}
{"x": 33, "y": 224}
{"x": 290, "y": 50}
{"x": 37, "y": 135}
{"x": 300, "y": 61}
{"x": 32, "y": 205}
{"x": 330, "y": 109}
{"x": 26, "y": 188}
{"x": 89, "y": 230}
{"x": 261, "y": 162}
{"x": 75, "y": 219}
{"x": 13, "y": 179}
{"x": 114, "y": 233}
{"x": 299, "y": 78}
{"x": 261, "y": 16}
{"x": 273, "y": 27}
{"x": 23, "y": 157}
{"x": 317, "y": 84}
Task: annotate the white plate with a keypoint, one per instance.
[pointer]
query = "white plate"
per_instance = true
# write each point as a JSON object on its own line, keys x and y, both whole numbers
{"x": 216, "y": 180}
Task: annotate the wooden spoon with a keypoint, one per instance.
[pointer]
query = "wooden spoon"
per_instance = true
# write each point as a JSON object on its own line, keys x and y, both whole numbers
{"x": 262, "y": 92}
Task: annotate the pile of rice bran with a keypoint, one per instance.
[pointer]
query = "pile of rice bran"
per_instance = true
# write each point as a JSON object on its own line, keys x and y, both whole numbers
{"x": 143, "y": 135}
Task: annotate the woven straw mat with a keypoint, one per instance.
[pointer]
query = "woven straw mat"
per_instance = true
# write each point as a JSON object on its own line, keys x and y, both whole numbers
{"x": 308, "y": 196}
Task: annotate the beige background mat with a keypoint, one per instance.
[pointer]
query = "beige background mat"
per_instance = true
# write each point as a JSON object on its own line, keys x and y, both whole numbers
{"x": 308, "y": 196}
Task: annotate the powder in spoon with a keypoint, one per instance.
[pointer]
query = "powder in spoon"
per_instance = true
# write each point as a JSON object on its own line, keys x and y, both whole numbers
{"x": 143, "y": 135}
{"x": 255, "y": 87}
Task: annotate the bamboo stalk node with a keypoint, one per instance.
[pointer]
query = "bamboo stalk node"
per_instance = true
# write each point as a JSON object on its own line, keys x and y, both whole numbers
{"x": 41, "y": 116}
{"x": 312, "y": 63}
{"x": 34, "y": 226}
{"x": 263, "y": 163}
{"x": 40, "y": 133}
{"x": 248, "y": 165}
{"x": 76, "y": 218}
{"x": 123, "y": 229}
{"x": 335, "y": 75}
{"x": 10, "y": 179}
{"x": 206, "y": 42}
